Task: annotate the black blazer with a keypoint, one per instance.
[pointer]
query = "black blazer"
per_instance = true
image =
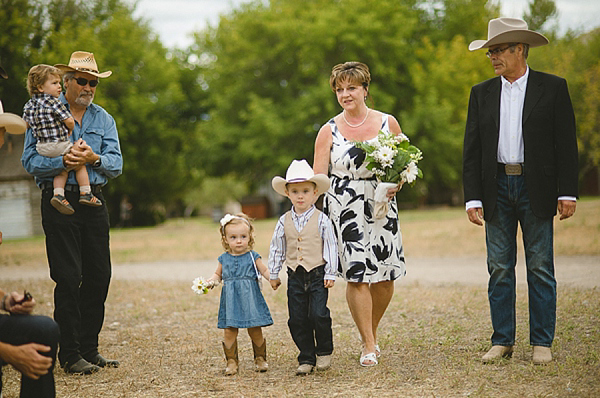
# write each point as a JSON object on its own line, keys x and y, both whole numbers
{"x": 551, "y": 157}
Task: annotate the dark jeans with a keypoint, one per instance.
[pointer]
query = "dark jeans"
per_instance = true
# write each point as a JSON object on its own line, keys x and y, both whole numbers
{"x": 512, "y": 208}
{"x": 79, "y": 258}
{"x": 25, "y": 329}
{"x": 309, "y": 316}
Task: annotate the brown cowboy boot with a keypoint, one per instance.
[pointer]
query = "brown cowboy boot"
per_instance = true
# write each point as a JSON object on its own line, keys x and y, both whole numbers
{"x": 260, "y": 356}
{"x": 231, "y": 355}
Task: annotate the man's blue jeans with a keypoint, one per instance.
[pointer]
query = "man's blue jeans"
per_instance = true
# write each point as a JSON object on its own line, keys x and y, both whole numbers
{"x": 310, "y": 320}
{"x": 513, "y": 207}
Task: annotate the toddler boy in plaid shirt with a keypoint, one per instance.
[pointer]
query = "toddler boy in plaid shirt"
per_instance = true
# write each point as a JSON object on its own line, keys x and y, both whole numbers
{"x": 52, "y": 125}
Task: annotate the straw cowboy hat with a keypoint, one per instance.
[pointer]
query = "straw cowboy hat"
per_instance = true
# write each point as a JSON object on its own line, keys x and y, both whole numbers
{"x": 11, "y": 122}
{"x": 509, "y": 30}
{"x": 82, "y": 61}
{"x": 300, "y": 171}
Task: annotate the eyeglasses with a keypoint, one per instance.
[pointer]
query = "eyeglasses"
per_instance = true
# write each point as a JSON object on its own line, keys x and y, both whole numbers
{"x": 82, "y": 81}
{"x": 498, "y": 51}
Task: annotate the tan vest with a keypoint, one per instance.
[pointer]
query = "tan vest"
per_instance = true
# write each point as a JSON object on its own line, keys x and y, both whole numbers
{"x": 303, "y": 248}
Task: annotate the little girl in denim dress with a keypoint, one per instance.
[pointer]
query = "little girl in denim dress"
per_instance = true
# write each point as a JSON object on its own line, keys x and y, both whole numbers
{"x": 242, "y": 303}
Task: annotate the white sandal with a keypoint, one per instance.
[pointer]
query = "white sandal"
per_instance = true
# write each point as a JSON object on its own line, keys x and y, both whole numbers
{"x": 377, "y": 351}
{"x": 368, "y": 357}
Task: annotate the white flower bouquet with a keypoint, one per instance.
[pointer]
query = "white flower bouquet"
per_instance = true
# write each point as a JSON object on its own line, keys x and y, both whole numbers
{"x": 393, "y": 160}
{"x": 200, "y": 286}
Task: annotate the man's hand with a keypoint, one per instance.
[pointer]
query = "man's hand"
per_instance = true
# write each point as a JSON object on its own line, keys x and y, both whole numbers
{"x": 80, "y": 154}
{"x": 566, "y": 208}
{"x": 27, "y": 359}
{"x": 328, "y": 283}
{"x": 475, "y": 215}
{"x": 275, "y": 283}
{"x": 24, "y": 308}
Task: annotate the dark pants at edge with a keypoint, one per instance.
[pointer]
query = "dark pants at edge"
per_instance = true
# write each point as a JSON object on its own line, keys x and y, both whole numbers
{"x": 79, "y": 257}
{"x": 25, "y": 329}
{"x": 309, "y": 318}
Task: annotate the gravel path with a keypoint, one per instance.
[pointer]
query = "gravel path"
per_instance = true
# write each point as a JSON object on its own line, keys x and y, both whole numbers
{"x": 576, "y": 271}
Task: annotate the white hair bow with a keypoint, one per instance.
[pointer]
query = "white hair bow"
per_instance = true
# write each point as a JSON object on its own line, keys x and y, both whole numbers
{"x": 227, "y": 218}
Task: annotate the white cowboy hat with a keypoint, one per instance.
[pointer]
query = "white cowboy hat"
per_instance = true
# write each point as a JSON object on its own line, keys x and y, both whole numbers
{"x": 509, "y": 30}
{"x": 300, "y": 171}
{"x": 11, "y": 122}
{"x": 82, "y": 61}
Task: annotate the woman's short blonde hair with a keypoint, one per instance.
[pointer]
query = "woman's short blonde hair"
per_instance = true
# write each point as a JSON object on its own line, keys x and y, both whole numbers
{"x": 240, "y": 218}
{"x": 38, "y": 75}
{"x": 353, "y": 72}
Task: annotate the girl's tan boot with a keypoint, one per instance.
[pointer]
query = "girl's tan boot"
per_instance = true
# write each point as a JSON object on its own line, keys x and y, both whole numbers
{"x": 260, "y": 356}
{"x": 231, "y": 355}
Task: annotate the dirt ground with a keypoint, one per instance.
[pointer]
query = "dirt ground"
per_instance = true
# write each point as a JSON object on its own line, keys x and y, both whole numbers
{"x": 573, "y": 271}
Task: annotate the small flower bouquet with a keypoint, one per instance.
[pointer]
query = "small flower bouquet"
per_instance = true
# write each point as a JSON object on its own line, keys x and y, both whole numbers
{"x": 393, "y": 160}
{"x": 200, "y": 286}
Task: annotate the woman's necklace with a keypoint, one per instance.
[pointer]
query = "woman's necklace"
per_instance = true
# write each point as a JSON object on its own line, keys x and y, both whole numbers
{"x": 355, "y": 125}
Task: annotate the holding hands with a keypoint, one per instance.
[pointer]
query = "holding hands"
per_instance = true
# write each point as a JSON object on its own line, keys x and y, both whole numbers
{"x": 80, "y": 154}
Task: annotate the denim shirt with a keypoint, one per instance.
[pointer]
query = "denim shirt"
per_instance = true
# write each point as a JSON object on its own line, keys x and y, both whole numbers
{"x": 98, "y": 130}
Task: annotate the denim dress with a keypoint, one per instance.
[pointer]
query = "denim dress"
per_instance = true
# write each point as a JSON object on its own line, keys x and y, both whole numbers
{"x": 242, "y": 303}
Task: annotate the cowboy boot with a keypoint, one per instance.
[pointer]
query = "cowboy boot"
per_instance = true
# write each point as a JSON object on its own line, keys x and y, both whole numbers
{"x": 260, "y": 356}
{"x": 231, "y": 355}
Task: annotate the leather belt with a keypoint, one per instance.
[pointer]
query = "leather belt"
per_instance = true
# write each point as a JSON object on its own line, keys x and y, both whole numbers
{"x": 511, "y": 169}
{"x": 70, "y": 187}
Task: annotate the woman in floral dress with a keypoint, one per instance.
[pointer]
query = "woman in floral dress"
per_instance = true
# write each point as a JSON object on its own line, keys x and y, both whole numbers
{"x": 370, "y": 249}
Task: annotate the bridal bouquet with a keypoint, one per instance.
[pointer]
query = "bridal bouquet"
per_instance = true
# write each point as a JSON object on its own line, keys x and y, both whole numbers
{"x": 200, "y": 286}
{"x": 393, "y": 160}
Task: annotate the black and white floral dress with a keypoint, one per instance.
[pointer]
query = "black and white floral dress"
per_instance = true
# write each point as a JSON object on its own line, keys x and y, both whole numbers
{"x": 370, "y": 249}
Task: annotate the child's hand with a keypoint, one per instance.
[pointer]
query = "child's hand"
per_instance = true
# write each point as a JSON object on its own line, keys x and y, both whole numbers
{"x": 275, "y": 283}
{"x": 328, "y": 283}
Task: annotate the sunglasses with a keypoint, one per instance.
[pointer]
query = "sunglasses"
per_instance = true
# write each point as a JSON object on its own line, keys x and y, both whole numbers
{"x": 82, "y": 81}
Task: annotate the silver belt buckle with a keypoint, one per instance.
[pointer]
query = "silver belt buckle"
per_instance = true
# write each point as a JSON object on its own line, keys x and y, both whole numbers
{"x": 513, "y": 169}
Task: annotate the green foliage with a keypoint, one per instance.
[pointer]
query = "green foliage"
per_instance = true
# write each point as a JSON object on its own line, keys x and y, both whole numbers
{"x": 540, "y": 12}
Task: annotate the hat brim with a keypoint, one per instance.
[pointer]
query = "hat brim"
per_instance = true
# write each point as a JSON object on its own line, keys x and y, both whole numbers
{"x": 532, "y": 38}
{"x": 320, "y": 180}
{"x": 67, "y": 68}
{"x": 12, "y": 123}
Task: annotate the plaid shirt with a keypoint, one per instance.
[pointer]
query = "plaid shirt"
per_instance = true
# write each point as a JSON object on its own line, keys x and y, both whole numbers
{"x": 45, "y": 115}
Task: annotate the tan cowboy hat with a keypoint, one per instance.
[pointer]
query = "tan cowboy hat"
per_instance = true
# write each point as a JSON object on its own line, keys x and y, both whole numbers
{"x": 300, "y": 171}
{"x": 11, "y": 122}
{"x": 509, "y": 30}
{"x": 82, "y": 61}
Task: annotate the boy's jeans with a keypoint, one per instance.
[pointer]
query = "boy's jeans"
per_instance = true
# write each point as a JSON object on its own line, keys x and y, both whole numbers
{"x": 309, "y": 320}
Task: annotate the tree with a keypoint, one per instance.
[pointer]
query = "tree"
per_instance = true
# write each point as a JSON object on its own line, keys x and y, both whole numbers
{"x": 540, "y": 12}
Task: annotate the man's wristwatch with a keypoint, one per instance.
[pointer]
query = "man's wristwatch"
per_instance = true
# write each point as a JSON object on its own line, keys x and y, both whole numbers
{"x": 97, "y": 163}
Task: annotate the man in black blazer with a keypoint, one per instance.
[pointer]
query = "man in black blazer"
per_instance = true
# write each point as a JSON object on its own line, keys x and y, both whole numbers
{"x": 519, "y": 166}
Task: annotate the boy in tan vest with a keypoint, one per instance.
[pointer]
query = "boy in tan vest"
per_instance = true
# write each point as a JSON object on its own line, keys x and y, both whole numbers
{"x": 304, "y": 241}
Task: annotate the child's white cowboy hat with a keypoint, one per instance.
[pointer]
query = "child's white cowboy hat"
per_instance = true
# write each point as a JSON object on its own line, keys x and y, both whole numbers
{"x": 82, "y": 61}
{"x": 300, "y": 171}
{"x": 11, "y": 122}
{"x": 509, "y": 30}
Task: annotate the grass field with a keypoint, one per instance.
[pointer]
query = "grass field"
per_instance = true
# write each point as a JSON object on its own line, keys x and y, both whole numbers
{"x": 432, "y": 337}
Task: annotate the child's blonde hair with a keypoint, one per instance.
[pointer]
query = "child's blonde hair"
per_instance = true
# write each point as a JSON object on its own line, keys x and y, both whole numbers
{"x": 239, "y": 218}
{"x": 38, "y": 75}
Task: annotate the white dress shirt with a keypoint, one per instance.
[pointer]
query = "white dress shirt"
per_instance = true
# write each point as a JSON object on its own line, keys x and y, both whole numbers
{"x": 278, "y": 243}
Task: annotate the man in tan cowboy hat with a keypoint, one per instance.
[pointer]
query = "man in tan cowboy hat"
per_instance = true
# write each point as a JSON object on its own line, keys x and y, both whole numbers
{"x": 519, "y": 166}
{"x": 78, "y": 245}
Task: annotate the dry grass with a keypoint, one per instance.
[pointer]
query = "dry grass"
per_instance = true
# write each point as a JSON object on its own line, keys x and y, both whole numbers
{"x": 426, "y": 233}
{"x": 432, "y": 337}
{"x": 432, "y": 340}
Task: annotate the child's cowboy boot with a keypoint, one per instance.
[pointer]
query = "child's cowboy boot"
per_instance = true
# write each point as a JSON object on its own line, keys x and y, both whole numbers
{"x": 231, "y": 355}
{"x": 260, "y": 356}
